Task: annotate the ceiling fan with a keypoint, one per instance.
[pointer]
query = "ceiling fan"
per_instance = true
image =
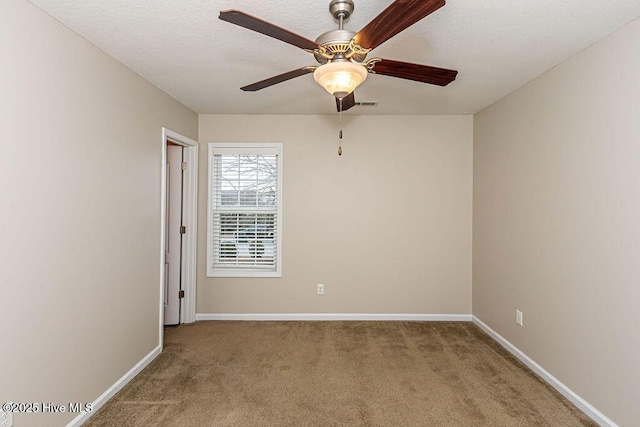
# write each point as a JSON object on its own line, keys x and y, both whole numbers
{"x": 341, "y": 53}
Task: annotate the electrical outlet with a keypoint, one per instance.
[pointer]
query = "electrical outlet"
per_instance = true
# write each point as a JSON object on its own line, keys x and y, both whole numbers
{"x": 320, "y": 289}
{"x": 6, "y": 419}
{"x": 519, "y": 317}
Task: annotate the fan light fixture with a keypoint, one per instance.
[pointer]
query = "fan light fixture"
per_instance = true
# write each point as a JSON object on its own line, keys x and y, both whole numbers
{"x": 340, "y": 77}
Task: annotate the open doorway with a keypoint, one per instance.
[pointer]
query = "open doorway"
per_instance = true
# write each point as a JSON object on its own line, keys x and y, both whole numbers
{"x": 179, "y": 191}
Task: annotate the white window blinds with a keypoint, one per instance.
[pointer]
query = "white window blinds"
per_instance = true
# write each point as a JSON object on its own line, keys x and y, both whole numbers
{"x": 244, "y": 210}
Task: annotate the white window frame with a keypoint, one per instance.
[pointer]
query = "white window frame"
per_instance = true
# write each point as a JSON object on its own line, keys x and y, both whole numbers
{"x": 243, "y": 148}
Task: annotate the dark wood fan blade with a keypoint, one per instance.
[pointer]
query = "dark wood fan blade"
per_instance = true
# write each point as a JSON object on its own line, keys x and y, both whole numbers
{"x": 277, "y": 79}
{"x": 263, "y": 27}
{"x": 416, "y": 72}
{"x": 347, "y": 102}
{"x": 400, "y": 15}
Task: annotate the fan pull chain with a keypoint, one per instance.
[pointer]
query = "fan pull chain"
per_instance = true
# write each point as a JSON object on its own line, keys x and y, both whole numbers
{"x": 340, "y": 133}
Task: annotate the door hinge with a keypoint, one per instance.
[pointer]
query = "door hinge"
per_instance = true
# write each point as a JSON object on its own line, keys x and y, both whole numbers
{"x": 181, "y": 294}
{"x": 183, "y": 229}
{"x": 183, "y": 166}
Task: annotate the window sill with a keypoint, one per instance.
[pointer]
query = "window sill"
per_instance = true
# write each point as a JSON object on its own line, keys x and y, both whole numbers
{"x": 243, "y": 273}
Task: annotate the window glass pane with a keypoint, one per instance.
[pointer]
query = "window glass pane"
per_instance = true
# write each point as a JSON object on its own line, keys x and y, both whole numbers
{"x": 245, "y": 239}
{"x": 247, "y": 180}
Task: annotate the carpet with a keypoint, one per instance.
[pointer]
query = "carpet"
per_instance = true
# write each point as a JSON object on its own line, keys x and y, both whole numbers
{"x": 335, "y": 374}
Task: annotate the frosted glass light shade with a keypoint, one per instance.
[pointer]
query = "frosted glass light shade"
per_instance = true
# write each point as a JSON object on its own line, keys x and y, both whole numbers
{"x": 340, "y": 76}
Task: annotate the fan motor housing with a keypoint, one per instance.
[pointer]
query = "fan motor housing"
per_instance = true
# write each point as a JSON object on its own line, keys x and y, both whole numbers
{"x": 337, "y": 43}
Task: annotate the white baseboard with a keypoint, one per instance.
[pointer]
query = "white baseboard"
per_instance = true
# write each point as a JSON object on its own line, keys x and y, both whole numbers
{"x": 574, "y": 398}
{"x": 334, "y": 316}
{"x": 111, "y": 391}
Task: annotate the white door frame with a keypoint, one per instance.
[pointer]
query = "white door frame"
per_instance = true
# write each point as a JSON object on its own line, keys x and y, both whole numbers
{"x": 189, "y": 220}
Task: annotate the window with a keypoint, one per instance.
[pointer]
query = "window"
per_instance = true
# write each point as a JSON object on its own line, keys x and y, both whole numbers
{"x": 244, "y": 210}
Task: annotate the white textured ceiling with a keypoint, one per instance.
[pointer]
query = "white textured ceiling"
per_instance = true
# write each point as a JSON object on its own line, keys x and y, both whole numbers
{"x": 184, "y": 49}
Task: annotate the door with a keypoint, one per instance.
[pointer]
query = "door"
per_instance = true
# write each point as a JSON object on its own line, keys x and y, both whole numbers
{"x": 173, "y": 236}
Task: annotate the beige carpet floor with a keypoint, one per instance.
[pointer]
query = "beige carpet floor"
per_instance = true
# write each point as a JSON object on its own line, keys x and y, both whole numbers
{"x": 335, "y": 374}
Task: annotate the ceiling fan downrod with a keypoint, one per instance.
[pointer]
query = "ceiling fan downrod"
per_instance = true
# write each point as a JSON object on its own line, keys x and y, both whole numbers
{"x": 341, "y": 10}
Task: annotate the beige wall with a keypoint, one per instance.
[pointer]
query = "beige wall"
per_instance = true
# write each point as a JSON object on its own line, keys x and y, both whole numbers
{"x": 557, "y": 222}
{"x": 386, "y": 227}
{"x": 80, "y": 217}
